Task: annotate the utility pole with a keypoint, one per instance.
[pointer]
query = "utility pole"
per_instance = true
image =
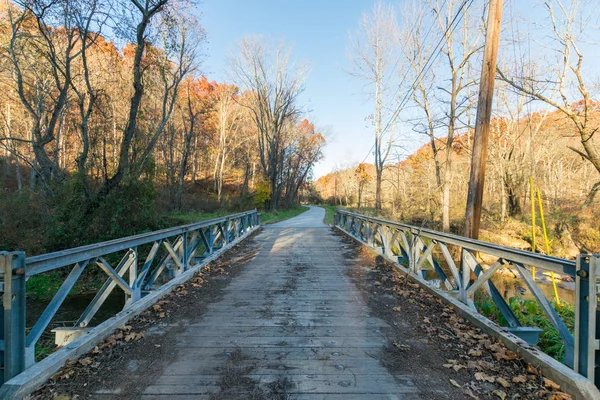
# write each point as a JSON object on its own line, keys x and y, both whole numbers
{"x": 482, "y": 122}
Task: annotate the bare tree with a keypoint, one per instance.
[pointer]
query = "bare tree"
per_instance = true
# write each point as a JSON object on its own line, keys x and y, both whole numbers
{"x": 90, "y": 17}
{"x": 417, "y": 50}
{"x": 42, "y": 58}
{"x": 228, "y": 118}
{"x": 373, "y": 52}
{"x": 460, "y": 45}
{"x": 442, "y": 93}
{"x": 565, "y": 86}
{"x": 514, "y": 147}
{"x": 274, "y": 85}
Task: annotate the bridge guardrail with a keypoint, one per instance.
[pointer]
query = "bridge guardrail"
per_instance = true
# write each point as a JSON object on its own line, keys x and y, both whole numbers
{"x": 412, "y": 248}
{"x": 167, "y": 252}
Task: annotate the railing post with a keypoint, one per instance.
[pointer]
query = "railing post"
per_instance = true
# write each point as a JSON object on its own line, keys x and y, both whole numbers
{"x": 466, "y": 277}
{"x": 587, "y": 349}
{"x": 385, "y": 241}
{"x": 133, "y": 275}
{"x": 12, "y": 268}
{"x": 412, "y": 253}
{"x": 210, "y": 238}
{"x": 184, "y": 256}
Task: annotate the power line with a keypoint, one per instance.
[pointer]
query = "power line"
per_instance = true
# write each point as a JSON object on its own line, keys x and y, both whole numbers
{"x": 411, "y": 37}
{"x": 428, "y": 64}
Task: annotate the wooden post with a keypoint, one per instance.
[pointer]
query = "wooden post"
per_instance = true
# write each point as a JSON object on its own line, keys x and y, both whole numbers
{"x": 482, "y": 123}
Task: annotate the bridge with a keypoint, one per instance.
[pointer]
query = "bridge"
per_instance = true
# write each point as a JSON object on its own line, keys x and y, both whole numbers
{"x": 226, "y": 309}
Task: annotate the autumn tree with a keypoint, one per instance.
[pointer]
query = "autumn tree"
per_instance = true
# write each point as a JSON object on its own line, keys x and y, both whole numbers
{"x": 174, "y": 55}
{"x": 362, "y": 178}
{"x": 303, "y": 150}
{"x": 273, "y": 83}
{"x": 227, "y": 123}
{"x": 43, "y": 45}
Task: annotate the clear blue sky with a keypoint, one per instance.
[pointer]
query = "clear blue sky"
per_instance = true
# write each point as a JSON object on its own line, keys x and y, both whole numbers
{"x": 318, "y": 33}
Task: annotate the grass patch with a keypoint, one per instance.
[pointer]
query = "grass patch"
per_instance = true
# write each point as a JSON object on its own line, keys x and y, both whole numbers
{"x": 44, "y": 286}
{"x": 270, "y": 217}
{"x": 329, "y": 213}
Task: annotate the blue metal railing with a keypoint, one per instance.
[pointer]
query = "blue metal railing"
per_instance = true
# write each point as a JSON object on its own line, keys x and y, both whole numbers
{"x": 167, "y": 252}
{"x": 412, "y": 248}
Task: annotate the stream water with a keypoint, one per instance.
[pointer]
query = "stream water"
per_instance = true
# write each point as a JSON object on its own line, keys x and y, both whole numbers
{"x": 72, "y": 308}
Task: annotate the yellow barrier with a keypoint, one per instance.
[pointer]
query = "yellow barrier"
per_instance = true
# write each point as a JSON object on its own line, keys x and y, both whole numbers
{"x": 539, "y": 196}
{"x": 531, "y": 195}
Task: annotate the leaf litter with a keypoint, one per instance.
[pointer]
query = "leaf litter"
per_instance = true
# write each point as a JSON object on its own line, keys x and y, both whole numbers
{"x": 478, "y": 365}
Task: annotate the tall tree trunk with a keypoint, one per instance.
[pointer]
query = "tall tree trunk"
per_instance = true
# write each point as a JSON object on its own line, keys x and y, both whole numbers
{"x": 446, "y": 197}
{"x": 134, "y": 108}
{"x": 221, "y": 177}
{"x": 359, "y": 197}
{"x": 502, "y": 201}
{"x": 378, "y": 176}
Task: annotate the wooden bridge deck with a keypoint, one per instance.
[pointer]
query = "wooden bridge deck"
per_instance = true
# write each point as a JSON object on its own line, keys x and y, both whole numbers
{"x": 292, "y": 323}
{"x": 300, "y": 312}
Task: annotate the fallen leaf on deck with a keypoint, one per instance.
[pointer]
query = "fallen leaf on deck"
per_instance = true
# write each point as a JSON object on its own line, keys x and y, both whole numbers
{"x": 458, "y": 367}
{"x": 551, "y": 384}
{"x": 454, "y": 383}
{"x": 532, "y": 370}
{"x": 85, "y": 361}
{"x": 474, "y": 353}
{"x": 469, "y": 393}
{"x": 481, "y": 376}
{"x": 560, "y": 396}
{"x": 502, "y": 382}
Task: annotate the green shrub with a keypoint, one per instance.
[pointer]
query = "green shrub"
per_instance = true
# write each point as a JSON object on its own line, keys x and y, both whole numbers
{"x": 24, "y": 220}
{"x": 530, "y": 313}
{"x": 127, "y": 210}
{"x": 244, "y": 203}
